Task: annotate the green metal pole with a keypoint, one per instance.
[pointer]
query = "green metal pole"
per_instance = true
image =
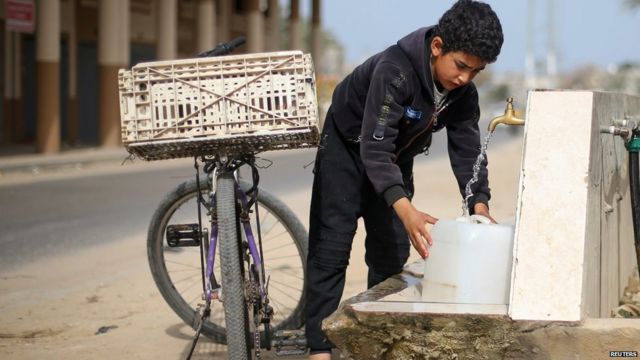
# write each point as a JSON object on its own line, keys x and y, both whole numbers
{"x": 633, "y": 147}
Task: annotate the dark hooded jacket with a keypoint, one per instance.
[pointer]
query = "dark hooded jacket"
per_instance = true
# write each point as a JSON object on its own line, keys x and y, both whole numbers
{"x": 387, "y": 105}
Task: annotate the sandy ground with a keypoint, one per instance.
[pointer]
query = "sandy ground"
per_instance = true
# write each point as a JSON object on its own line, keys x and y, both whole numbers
{"x": 53, "y": 309}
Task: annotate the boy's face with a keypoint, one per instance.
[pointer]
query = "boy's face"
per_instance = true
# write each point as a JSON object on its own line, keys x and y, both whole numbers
{"x": 455, "y": 68}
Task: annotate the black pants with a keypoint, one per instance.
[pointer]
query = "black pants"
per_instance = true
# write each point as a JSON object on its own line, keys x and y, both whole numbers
{"x": 342, "y": 193}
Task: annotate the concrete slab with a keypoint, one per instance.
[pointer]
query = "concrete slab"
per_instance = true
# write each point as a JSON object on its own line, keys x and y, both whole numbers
{"x": 369, "y": 326}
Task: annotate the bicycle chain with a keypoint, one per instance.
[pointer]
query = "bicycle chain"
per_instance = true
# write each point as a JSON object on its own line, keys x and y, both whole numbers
{"x": 256, "y": 337}
{"x": 252, "y": 290}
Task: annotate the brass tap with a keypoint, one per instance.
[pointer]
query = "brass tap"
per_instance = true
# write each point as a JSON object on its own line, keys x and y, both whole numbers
{"x": 509, "y": 117}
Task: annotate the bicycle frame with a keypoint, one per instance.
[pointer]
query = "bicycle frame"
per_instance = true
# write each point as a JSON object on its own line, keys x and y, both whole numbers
{"x": 234, "y": 209}
{"x": 262, "y": 312}
{"x": 253, "y": 248}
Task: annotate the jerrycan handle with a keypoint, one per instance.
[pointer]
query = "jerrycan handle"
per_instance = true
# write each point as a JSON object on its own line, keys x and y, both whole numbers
{"x": 475, "y": 219}
{"x": 479, "y": 219}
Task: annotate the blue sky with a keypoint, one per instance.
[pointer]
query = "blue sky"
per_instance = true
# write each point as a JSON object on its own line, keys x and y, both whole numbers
{"x": 600, "y": 32}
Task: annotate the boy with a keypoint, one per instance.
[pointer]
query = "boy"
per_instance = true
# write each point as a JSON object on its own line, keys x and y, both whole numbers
{"x": 382, "y": 115}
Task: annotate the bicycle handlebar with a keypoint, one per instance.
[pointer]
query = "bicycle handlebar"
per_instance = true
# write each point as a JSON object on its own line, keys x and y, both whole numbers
{"x": 224, "y": 48}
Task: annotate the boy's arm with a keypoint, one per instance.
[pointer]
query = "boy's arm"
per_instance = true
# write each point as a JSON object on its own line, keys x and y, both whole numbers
{"x": 388, "y": 89}
{"x": 382, "y": 113}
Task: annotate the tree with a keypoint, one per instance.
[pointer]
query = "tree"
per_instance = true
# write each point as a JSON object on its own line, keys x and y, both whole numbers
{"x": 632, "y": 4}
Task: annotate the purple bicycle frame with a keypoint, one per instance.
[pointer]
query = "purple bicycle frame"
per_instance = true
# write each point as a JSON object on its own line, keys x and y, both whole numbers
{"x": 253, "y": 249}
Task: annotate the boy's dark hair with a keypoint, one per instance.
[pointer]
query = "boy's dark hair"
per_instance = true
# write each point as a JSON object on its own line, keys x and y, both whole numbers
{"x": 471, "y": 27}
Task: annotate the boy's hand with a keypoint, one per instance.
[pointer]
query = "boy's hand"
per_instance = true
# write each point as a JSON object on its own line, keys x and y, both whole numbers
{"x": 414, "y": 223}
{"x": 482, "y": 209}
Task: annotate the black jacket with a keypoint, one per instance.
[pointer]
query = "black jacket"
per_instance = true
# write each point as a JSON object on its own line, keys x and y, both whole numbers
{"x": 387, "y": 103}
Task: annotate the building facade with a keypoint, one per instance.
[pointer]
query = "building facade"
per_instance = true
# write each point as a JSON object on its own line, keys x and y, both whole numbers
{"x": 60, "y": 78}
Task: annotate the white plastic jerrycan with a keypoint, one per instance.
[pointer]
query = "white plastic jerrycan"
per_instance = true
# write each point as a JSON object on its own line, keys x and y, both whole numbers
{"x": 469, "y": 262}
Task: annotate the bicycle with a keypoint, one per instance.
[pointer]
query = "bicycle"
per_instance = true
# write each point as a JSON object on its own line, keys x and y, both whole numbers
{"x": 257, "y": 289}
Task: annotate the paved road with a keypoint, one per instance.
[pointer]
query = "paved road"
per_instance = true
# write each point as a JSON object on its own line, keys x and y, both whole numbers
{"x": 47, "y": 217}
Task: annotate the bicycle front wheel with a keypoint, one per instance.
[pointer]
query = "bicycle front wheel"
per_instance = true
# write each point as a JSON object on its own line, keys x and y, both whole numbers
{"x": 176, "y": 270}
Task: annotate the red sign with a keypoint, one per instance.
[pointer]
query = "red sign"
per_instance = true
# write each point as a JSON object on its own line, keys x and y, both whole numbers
{"x": 20, "y": 15}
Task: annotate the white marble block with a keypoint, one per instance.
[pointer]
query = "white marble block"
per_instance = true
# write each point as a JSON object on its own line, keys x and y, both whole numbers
{"x": 573, "y": 246}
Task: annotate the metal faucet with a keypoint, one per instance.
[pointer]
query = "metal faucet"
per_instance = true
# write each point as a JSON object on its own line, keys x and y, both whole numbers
{"x": 509, "y": 117}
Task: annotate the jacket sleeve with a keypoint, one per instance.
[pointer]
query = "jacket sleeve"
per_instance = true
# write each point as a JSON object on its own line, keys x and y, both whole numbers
{"x": 382, "y": 114}
{"x": 463, "y": 137}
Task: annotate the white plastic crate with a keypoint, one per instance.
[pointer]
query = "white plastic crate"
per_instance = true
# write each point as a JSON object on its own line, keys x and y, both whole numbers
{"x": 203, "y": 106}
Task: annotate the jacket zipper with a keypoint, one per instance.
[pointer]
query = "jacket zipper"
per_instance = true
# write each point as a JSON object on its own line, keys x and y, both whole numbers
{"x": 434, "y": 117}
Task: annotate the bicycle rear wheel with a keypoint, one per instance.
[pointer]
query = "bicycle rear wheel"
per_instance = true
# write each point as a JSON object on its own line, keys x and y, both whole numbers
{"x": 176, "y": 270}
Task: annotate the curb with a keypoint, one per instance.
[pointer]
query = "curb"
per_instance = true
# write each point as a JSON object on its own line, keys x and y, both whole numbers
{"x": 72, "y": 160}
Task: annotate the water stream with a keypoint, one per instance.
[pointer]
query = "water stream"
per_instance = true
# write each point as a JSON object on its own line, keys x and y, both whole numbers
{"x": 476, "y": 172}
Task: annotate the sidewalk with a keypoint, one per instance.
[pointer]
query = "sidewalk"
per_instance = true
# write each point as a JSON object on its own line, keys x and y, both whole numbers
{"x": 22, "y": 159}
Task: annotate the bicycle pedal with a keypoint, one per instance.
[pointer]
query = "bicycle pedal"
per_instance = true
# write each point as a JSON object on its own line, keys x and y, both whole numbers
{"x": 179, "y": 235}
{"x": 289, "y": 342}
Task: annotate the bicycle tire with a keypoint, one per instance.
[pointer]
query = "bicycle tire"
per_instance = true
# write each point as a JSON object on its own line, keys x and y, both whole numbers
{"x": 287, "y": 316}
{"x": 233, "y": 281}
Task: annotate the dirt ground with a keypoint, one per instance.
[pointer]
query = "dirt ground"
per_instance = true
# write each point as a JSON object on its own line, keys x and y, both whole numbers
{"x": 53, "y": 309}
